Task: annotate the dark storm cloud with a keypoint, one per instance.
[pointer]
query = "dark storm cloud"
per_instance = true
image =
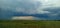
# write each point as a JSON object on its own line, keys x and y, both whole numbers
{"x": 10, "y": 7}
{"x": 42, "y": 10}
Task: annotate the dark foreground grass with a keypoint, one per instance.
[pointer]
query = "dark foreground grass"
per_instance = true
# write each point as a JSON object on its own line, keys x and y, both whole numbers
{"x": 29, "y": 24}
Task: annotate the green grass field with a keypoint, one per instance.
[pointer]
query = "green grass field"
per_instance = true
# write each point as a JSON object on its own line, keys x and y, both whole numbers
{"x": 29, "y": 24}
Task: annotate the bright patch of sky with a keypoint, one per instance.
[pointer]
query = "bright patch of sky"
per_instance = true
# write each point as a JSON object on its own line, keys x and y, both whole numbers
{"x": 54, "y": 3}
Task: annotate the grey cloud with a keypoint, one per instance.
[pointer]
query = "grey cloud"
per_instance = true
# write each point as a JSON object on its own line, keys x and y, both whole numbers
{"x": 54, "y": 13}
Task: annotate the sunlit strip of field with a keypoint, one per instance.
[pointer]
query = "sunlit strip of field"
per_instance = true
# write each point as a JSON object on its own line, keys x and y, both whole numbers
{"x": 29, "y": 24}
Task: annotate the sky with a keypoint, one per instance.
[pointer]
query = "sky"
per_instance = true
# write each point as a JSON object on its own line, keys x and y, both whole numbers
{"x": 42, "y": 9}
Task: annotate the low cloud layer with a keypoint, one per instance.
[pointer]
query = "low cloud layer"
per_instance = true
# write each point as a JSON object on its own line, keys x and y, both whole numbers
{"x": 23, "y": 18}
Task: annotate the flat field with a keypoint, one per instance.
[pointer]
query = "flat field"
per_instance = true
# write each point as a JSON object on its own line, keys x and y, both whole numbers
{"x": 29, "y": 24}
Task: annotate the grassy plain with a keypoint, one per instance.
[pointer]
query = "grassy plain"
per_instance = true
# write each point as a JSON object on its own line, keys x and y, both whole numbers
{"x": 29, "y": 24}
